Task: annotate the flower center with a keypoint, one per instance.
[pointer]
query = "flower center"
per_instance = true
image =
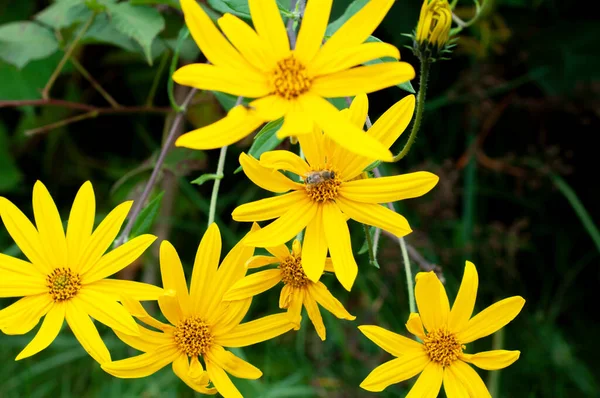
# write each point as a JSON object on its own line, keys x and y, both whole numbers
{"x": 63, "y": 284}
{"x": 290, "y": 78}
{"x": 322, "y": 185}
{"x": 442, "y": 347}
{"x": 292, "y": 271}
{"x": 193, "y": 337}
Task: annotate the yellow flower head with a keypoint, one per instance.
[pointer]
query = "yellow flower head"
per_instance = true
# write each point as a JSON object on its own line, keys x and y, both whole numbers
{"x": 330, "y": 192}
{"x": 201, "y": 323}
{"x": 444, "y": 332}
{"x": 65, "y": 274}
{"x": 434, "y": 23}
{"x": 297, "y": 291}
{"x": 290, "y": 83}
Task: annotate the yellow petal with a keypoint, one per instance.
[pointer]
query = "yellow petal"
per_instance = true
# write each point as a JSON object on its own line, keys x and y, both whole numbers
{"x": 81, "y": 223}
{"x": 205, "y": 268}
{"x": 415, "y": 326}
{"x": 386, "y": 130}
{"x": 389, "y": 189}
{"x": 462, "y": 309}
{"x": 329, "y": 265}
{"x": 217, "y": 78}
{"x": 429, "y": 302}
{"x": 469, "y": 379}
{"x": 285, "y": 227}
{"x": 247, "y": 42}
{"x": 173, "y": 277}
{"x": 107, "y": 311}
{"x": 453, "y": 386}
{"x": 323, "y": 296}
{"x": 395, "y": 371}
{"x": 269, "y": 208}
{"x": 47, "y": 333}
{"x": 228, "y": 315}
{"x": 362, "y": 79}
{"x": 123, "y": 288}
{"x": 103, "y": 237}
{"x": 492, "y": 360}
{"x": 490, "y": 320}
{"x": 315, "y": 247}
{"x": 238, "y": 123}
{"x": 269, "y": 26}
{"x": 25, "y": 235}
{"x": 221, "y": 381}
{"x": 256, "y": 331}
{"x": 285, "y": 297}
{"x": 135, "y": 308}
{"x": 86, "y": 333}
{"x": 314, "y": 315}
{"x": 212, "y": 43}
{"x": 395, "y": 344}
{"x": 359, "y": 27}
{"x": 253, "y": 285}
{"x": 143, "y": 365}
{"x": 23, "y": 315}
{"x": 49, "y": 225}
{"x": 376, "y": 215}
{"x": 169, "y": 306}
{"x": 313, "y": 148}
{"x": 281, "y": 252}
{"x": 341, "y": 130}
{"x": 261, "y": 261}
{"x": 285, "y": 160}
{"x": 119, "y": 258}
{"x": 429, "y": 382}
{"x": 297, "y": 122}
{"x": 232, "y": 364}
{"x": 147, "y": 341}
{"x": 312, "y": 30}
{"x": 340, "y": 246}
{"x": 271, "y": 107}
{"x": 359, "y": 110}
{"x": 266, "y": 178}
{"x": 181, "y": 368}
{"x": 327, "y": 63}
{"x": 17, "y": 285}
{"x": 15, "y": 265}
{"x": 294, "y": 302}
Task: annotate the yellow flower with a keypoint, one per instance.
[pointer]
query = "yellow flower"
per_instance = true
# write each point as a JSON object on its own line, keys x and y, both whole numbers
{"x": 201, "y": 322}
{"x": 65, "y": 275}
{"x": 298, "y": 290}
{"x": 434, "y": 23}
{"x": 290, "y": 83}
{"x": 440, "y": 358}
{"x": 331, "y": 193}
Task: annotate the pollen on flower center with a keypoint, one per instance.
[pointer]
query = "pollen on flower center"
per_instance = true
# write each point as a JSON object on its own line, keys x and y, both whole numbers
{"x": 193, "y": 336}
{"x": 290, "y": 78}
{"x": 442, "y": 346}
{"x": 322, "y": 185}
{"x": 63, "y": 284}
{"x": 292, "y": 271}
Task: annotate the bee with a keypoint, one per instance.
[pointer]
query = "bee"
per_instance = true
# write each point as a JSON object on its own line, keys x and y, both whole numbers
{"x": 318, "y": 177}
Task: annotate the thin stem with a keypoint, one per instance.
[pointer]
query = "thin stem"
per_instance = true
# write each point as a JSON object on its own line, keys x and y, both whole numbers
{"x": 419, "y": 111}
{"x": 63, "y": 61}
{"x": 409, "y": 278}
{"x": 156, "y": 80}
{"x": 290, "y": 26}
{"x": 84, "y": 107}
{"x": 94, "y": 83}
{"x": 370, "y": 246}
{"x": 137, "y": 208}
{"x": 217, "y": 184}
{"x": 61, "y": 123}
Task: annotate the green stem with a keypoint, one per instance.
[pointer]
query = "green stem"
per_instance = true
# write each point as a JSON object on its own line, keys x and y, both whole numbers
{"x": 409, "y": 278}
{"x": 370, "y": 246}
{"x": 94, "y": 83}
{"x": 424, "y": 75}
{"x": 156, "y": 80}
{"x": 63, "y": 61}
{"x": 215, "y": 192}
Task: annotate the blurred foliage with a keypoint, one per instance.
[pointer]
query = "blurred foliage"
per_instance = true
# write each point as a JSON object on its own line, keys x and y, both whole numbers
{"x": 506, "y": 128}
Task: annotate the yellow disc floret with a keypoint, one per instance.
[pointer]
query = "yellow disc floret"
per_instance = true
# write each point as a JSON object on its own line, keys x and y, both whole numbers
{"x": 442, "y": 347}
{"x": 293, "y": 274}
{"x": 322, "y": 185}
{"x": 290, "y": 79}
{"x": 63, "y": 284}
{"x": 193, "y": 336}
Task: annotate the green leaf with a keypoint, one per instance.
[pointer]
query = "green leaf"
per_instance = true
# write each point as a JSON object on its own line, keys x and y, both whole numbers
{"x": 141, "y": 23}
{"x": 64, "y": 13}
{"x": 266, "y": 140}
{"x": 147, "y": 216}
{"x": 206, "y": 177}
{"x": 228, "y": 101}
{"x": 104, "y": 31}
{"x": 22, "y": 42}
{"x": 241, "y": 9}
{"x": 11, "y": 176}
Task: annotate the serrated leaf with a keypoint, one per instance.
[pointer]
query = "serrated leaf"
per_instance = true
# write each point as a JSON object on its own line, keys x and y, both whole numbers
{"x": 206, "y": 177}
{"x": 141, "y": 23}
{"x": 266, "y": 140}
{"x": 22, "y": 42}
{"x": 64, "y": 13}
{"x": 147, "y": 216}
